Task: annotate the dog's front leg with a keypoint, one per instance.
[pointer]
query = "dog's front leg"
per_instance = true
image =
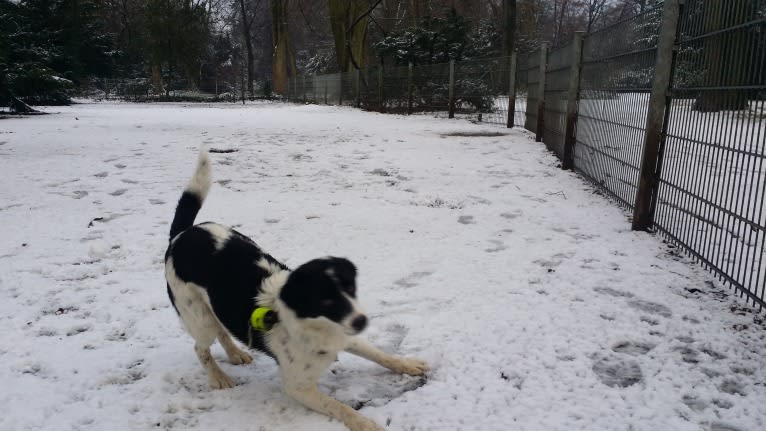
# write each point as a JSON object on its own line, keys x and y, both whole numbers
{"x": 411, "y": 366}
{"x": 310, "y": 396}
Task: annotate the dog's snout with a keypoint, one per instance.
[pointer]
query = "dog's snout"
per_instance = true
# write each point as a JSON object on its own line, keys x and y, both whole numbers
{"x": 359, "y": 323}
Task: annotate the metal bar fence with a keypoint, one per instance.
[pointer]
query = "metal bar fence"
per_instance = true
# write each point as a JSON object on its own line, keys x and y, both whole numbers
{"x": 617, "y": 72}
{"x": 556, "y": 91}
{"x": 713, "y": 179}
{"x": 711, "y": 174}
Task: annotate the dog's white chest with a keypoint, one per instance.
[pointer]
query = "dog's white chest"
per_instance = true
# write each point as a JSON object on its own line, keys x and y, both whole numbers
{"x": 307, "y": 354}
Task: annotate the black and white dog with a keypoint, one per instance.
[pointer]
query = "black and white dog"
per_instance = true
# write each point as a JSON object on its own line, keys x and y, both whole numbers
{"x": 217, "y": 278}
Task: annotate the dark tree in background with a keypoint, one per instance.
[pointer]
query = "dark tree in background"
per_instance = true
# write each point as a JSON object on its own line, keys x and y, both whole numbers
{"x": 178, "y": 37}
{"x": 509, "y": 26}
{"x": 248, "y": 37}
{"x": 49, "y": 46}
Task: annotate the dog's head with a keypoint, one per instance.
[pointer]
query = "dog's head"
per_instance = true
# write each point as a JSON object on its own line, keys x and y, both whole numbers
{"x": 325, "y": 290}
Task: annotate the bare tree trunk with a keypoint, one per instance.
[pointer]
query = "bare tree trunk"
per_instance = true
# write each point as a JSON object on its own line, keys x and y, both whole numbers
{"x": 246, "y": 34}
{"x": 157, "y": 78}
{"x": 349, "y": 28}
{"x": 509, "y": 26}
{"x": 280, "y": 36}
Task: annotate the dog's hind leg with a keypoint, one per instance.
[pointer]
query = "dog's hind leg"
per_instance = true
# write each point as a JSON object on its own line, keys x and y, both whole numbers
{"x": 411, "y": 366}
{"x": 236, "y": 355}
{"x": 204, "y": 328}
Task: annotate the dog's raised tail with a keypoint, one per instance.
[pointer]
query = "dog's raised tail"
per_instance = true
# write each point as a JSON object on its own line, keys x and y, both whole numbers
{"x": 193, "y": 196}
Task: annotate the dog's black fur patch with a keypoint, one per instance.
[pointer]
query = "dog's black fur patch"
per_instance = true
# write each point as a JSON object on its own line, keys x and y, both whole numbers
{"x": 230, "y": 275}
{"x": 316, "y": 289}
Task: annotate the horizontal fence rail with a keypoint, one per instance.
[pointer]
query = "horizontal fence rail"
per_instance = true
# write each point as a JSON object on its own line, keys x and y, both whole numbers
{"x": 589, "y": 103}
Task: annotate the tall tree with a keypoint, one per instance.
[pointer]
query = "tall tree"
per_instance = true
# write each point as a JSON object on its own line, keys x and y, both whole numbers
{"x": 509, "y": 26}
{"x": 594, "y": 10}
{"x": 283, "y": 61}
{"x": 50, "y": 46}
{"x": 348, "y": 19}
{"x": 247, "y": 35}
{"x": 177, "y": 38}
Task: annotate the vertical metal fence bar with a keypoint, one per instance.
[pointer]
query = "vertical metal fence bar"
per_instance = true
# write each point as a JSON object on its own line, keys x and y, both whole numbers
{"x": 642, "y": 214}
{"x": 409, "y": 89}
{"x": 451, "y": 96}
{"x": 511, "y": 90}
{"x": 358, "y": 87}
{"x": 541, "y": 93}
{"x": 380, "y": 90}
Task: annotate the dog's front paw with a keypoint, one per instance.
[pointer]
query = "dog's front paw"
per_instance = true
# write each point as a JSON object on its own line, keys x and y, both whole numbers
{"x": 361, "y": 423}
{"x": 221, "y": 381}
{"x": 412, "y": 366}
{"x": 240, "y": 357}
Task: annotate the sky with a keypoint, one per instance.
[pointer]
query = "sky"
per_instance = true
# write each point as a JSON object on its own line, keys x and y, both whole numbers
{"x": 521, "y": 284}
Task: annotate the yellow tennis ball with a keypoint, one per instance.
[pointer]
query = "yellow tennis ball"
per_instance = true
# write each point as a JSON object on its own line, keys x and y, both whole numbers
{"x": 262, "y": 319}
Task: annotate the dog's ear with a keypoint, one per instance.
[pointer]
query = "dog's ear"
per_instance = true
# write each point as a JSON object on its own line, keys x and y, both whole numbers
{"x": 297, "y": 286}
{"x": 345, "y": 271}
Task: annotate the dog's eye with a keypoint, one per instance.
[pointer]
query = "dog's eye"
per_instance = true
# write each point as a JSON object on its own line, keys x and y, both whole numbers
{"x": 350, "y": 289}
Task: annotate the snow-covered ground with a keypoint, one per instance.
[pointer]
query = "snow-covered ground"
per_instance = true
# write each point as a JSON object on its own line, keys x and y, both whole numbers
{"x": 524, "y": 288}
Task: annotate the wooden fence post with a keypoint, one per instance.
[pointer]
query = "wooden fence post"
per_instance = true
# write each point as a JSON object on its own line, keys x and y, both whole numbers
{"x": 541, "y": 94}
{"x": 451, "y": 100}
{"x": 380, "y": 89}
{"x": 358, "y": 88}
{"x": 340, "y": 88}
{"x": 572, "y": 97}
{"x": 512, "y": 91}
{"x": 657, "y": 119}
{"x": 304, "y": 90}
{"x": 409, "y": 89}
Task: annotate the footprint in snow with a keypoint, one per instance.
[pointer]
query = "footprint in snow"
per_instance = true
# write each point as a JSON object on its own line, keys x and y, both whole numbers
{"x": 633, "y": 348}
{"x": 650, "y": 307}
{"x": 718, "y": 426}
{"x": 467, "y": 219}
{"x": 732, "y": 387}
{"x": 511, "y": 215}
{"x": 617, "y": 371}
{"x": 612, "y": 292}
{"x": 412, "y": 279}
{"x": 118, "y": 192}
{"x": 497, "y": 246}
